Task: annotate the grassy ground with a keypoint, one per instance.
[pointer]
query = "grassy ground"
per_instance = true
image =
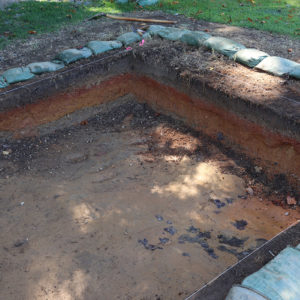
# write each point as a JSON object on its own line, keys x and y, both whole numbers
{"x": 33, "y": 17}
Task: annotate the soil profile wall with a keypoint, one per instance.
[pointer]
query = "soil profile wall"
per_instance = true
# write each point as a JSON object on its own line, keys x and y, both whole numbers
{"x": 278, "y": 153}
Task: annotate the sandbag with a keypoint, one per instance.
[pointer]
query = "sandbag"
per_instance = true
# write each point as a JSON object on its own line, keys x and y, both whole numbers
{"x": 277, "y": 65}
{"x": 129, "y": 38}
{"x": 45, "y": 66}
{"x": 146, "y": 2}
{"x": 154, "y": 29}
{"x": 17, "y": 74}
{"x": 280, "y": 278}
{"x": 102, "y": 46}
{"x": 71, "y": 55}
{"x": 172, "y": 33}
{"x": 195, "y": 38}
{"x": 3, "y": 83}
{"x": 295, "y": 72}
{"x": 250, "y": 57}
{"x": 225, "y": 46}
{"x": 242, "y": 293}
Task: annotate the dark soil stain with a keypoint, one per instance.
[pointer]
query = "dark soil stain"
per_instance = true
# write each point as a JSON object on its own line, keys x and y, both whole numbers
{"x": 163, "y": 240}
{"x": 233, "y": 241}
{"x": 240, "y": 224}
{"x": 218, "y": 203}
{"x": 170, "y": 230}
{"x": 237, "y": 254}
{"x": 200, "y": 239}
{"x": 148, "y": 246}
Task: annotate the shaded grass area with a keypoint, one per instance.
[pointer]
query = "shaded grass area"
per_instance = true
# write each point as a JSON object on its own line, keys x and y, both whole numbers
{"x": 33, "y": 17}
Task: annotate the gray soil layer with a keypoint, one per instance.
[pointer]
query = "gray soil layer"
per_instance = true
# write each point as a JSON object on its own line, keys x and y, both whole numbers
{"x": 128, "y": 204}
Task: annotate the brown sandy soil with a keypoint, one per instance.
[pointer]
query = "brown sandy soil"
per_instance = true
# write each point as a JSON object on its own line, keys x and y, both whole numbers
{"x": 77, "y": 204}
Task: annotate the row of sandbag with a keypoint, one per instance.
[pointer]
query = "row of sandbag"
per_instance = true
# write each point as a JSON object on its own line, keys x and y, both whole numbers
{"x": 67, "y": 57}
{"x": 250, "y": 57}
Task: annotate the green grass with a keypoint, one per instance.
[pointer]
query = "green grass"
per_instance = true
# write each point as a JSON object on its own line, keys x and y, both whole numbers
{"x": 33, "y": 17}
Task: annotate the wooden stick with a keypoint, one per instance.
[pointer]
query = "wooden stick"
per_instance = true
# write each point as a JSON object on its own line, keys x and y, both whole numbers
{"x": 132, "y": 19}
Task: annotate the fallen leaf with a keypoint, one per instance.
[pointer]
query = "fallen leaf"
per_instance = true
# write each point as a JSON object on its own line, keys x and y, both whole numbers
{"x": 32, "y": 32}
{"x": 291, "y": 200}
{"x": 84, "y": 122}
{"x": 6, "y": 152}
{"x": 250, "y": 20}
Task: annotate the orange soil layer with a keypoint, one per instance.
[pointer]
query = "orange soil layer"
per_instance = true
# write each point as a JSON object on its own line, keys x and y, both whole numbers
{"x": 280, "y": 153}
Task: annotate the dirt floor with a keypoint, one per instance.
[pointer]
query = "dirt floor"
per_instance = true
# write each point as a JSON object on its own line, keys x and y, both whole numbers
{"x": 128, "y": 204}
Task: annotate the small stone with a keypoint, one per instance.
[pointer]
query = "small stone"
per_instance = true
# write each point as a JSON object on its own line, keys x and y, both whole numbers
{"x": 250, "y": 191}
{"x": 185, "y": 254}
{"x": 257, "y": 169}
{"x": 286, "y": 214}
{"x": 291, "y": 200}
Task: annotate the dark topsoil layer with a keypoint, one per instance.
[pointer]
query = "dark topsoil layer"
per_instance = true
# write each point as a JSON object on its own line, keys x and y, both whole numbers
{"x": 44, "y": 46}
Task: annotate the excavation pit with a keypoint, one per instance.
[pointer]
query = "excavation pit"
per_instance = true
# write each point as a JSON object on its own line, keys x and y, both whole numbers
{"x": 128, "y": 178}
{"x": 127, "y": 204}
